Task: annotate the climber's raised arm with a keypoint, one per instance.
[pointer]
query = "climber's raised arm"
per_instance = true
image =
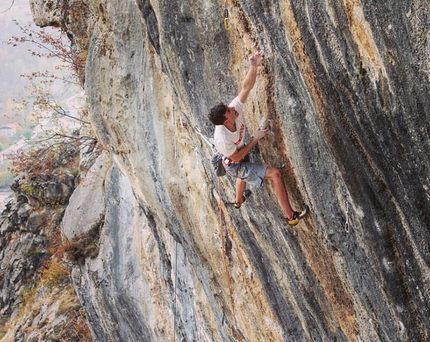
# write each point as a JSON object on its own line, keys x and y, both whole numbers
{"x": 251, "y": 76}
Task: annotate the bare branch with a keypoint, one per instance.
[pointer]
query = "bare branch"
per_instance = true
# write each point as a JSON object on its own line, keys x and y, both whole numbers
{"x": 61, "y": 111}
{"x": 13, "y": 1}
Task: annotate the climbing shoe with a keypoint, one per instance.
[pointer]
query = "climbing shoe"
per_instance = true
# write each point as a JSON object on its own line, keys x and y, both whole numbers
{"x": 246, "y": 194}
{"x": 298, "y": 215}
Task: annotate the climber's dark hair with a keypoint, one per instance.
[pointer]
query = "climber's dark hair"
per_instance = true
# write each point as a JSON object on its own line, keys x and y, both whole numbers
{"x": 216, "y": 114}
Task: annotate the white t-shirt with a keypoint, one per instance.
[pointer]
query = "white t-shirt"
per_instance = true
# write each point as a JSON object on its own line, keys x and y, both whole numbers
{"x": 227, "y": 142}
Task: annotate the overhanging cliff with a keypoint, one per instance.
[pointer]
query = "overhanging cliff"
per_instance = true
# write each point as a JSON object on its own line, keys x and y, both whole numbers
{"x": 345, "y": 85}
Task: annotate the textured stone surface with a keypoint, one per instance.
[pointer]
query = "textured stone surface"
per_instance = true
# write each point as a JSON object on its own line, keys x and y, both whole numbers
{"x": 345, "y": 85}
{"x": 37, "y": 299}
{"x": 28, "y": 223}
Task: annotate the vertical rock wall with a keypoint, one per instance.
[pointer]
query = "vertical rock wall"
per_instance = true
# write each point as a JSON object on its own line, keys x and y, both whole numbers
{"x": 345, "y": 85}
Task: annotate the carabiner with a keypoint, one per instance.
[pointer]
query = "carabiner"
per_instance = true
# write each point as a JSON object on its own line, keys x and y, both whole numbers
{"x": 227, "y": 25}
{"x": 228, "y": 2}
{"x": 226, "y": 13}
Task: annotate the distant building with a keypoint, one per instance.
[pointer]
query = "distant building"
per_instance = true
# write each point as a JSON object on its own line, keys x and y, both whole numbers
{"x": 9, "y": 129}
{"x": 13, "y": 151}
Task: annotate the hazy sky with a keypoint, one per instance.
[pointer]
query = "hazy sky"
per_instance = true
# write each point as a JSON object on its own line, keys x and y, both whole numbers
{"x": 11, "y": 10}
{"x": 20, "y": 9}
{"x": 12, "y": 65}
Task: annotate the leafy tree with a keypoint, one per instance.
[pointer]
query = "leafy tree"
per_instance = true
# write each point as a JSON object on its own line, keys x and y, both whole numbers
{"x": 50, "y": 44}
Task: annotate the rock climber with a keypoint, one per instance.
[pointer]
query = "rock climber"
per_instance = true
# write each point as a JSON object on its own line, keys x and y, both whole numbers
{"x": 229, "y": 140}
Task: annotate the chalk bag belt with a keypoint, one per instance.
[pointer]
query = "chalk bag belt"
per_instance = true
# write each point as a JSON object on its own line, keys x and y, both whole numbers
{"x": 227, "y": 161}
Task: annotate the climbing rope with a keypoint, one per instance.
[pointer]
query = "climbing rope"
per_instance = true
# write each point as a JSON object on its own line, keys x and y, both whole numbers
{"x": 174, "y": 298}
{"x": 221, "y": 233}
{"x": 227, "y": 25}
{"x": 205, "y": 139}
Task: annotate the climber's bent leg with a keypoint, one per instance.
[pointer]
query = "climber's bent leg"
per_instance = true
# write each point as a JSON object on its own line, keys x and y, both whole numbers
{"x": 275, "y": 176}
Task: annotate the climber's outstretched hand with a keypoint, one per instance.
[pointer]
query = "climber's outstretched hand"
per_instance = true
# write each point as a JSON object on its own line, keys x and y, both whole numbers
{"x": 261, "y": 133}
{"x": 256, "y": 59}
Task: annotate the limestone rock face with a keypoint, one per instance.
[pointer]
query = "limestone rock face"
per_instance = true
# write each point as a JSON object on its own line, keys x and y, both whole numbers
{"x": 345, "y": 86}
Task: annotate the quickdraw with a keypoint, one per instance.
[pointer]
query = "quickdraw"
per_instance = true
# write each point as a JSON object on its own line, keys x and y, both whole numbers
{"x": 347, "y": 224}
{"x": 227, "y": 25}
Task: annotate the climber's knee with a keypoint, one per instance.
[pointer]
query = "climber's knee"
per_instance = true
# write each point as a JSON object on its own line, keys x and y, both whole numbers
{"x": 273, "y": 174}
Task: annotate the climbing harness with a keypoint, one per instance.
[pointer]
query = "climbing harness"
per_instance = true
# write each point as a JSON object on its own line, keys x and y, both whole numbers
{"x": 224, "y": 257}
{"x": 227, "y": 25}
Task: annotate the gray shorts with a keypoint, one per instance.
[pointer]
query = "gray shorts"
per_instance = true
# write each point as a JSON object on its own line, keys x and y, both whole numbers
{"x": 251, "y": 173}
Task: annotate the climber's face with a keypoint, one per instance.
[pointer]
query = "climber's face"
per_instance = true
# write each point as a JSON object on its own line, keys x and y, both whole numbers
{"x": 231, "y": 114}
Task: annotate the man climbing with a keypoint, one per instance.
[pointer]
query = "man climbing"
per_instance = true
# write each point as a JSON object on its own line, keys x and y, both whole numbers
{"x": 229, "y": 140}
